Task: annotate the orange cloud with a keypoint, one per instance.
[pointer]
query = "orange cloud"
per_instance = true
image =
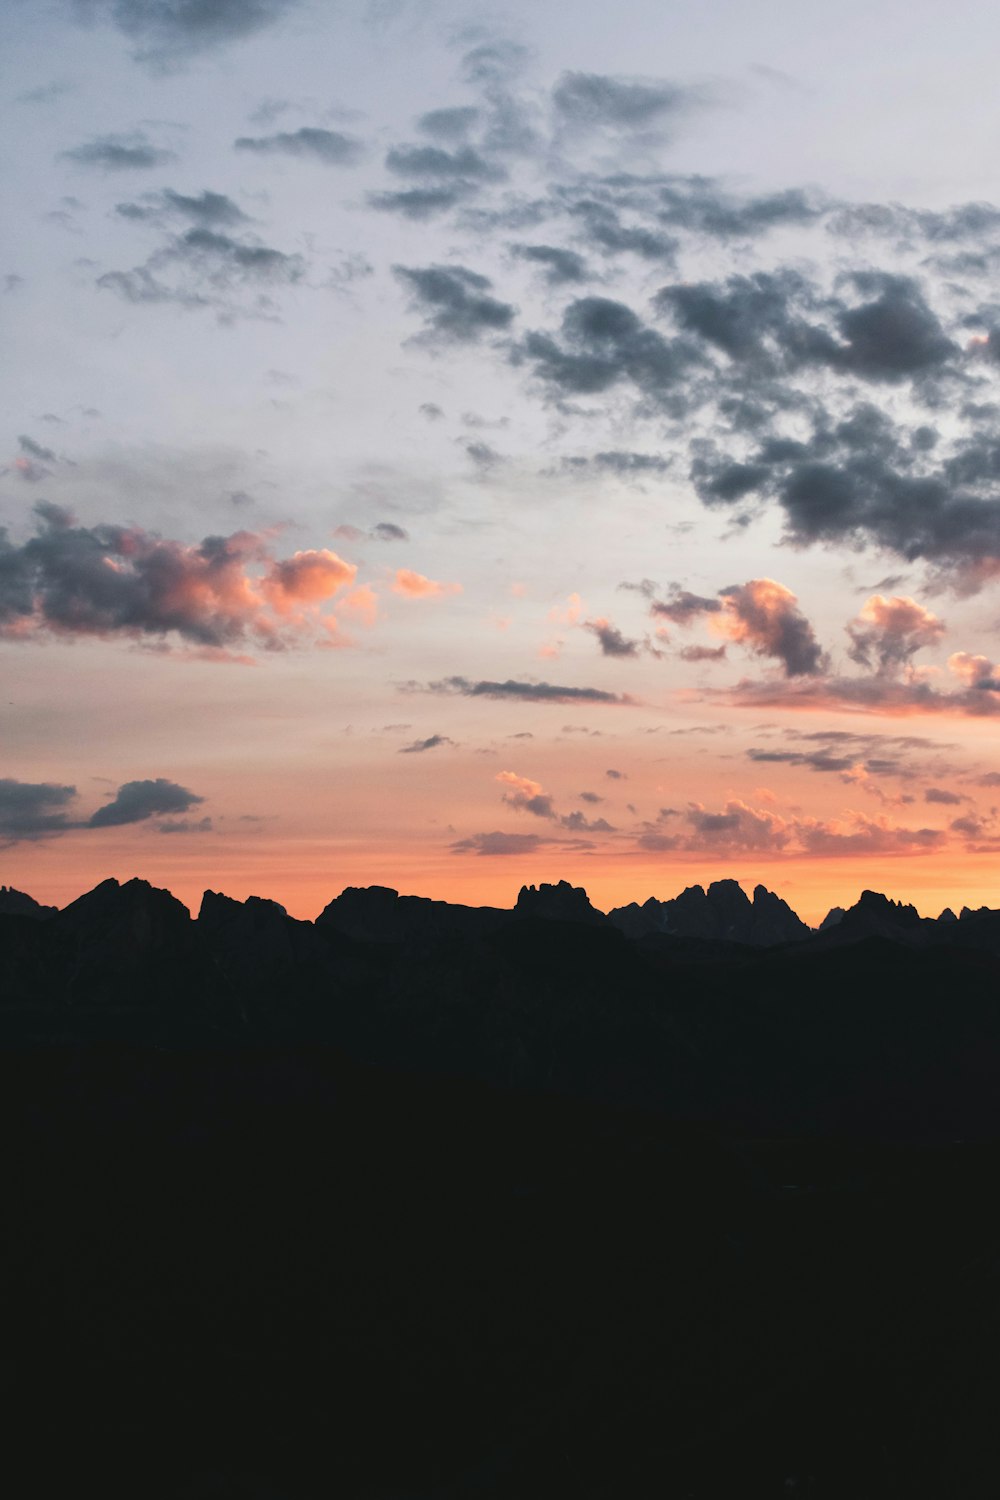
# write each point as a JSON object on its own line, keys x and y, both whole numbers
{"x": 415, "y": 586}
{"x": 362, "y": 602}
{"x": 114, "y": 580}
{"x": 887, "y": 632}
{"x": 306, "y": 578}
{"x": 764, "y": 615}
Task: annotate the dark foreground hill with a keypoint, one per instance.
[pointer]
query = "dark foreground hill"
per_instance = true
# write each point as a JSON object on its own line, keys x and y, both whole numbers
{"x": 431, "y": 1201}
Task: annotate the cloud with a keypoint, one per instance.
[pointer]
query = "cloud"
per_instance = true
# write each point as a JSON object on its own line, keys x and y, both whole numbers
{"x": 169, "y": 32}
{"x": 483, "y": 456}
{"x": 114, "y": 580}
{"x": 526, "y": 692}
{"x": 888, "y": 632}
{"x": 415, "y": 586}
{"x": 138, "y": 800}
{"x": 598, "y": 101}
{"x": 942, "y": 796}
{"x": 186, "y": 825}
{"x": 681, "y": 606}
{"x": 119, "y": 153}
{"x": 974, "y": 671}
{"x": 464, "y": 164}
{"x": 421, "y": 203}
{"x": 432, "y": 742}
{"x": 561, "y": 266}
{"x": 526, "y": 795}
{"x": 894, "y": 336}
{"x": 304, "y": 580}
{"x": 203, "y": 267}
{"x": 455, "y": 301}
{"x": 866, "y": 695}
{"x": 813, "y": 760}
{"x": 763, "y": 615}
{"x": 452, "y": 124}
{"x": 867, "y": 479}
{"x": 737, "y": 826}
{"x": 624, "y": 465}
{"x": 740, "y": 827}
{"x": 498, "y": 843}
{"x": 856, "y": 835}
{"x": 33, "y": 460}
{"x": 388, "y": 531}
{"x": 208, "y": 209}
{"x": 577, "y": 822}
{"x": 32, "y": 810}
{"x": 602, "y": 227}
{"x": 603, "y": 343}
{"x": 702, "y": 653}
{"x": 331, "y": 147}
{"x": 611, "y": 640}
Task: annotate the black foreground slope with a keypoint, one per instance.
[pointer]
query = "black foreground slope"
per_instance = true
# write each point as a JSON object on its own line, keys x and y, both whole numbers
{"x": 525, "y": 1209}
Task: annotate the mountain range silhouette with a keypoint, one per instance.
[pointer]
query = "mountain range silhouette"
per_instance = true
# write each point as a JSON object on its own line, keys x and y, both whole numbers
{"x": 423, "y": 1201}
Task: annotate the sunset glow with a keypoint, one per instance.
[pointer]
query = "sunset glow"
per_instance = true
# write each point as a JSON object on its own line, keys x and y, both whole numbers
{"x": 495, "y": 462}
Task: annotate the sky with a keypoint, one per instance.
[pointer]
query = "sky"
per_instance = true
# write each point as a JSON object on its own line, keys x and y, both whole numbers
{"x": 450, "y": 448}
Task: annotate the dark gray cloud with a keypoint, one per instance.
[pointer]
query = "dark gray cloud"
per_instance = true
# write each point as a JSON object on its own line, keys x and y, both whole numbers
{"x": 895, "y": 335}
{"x": 602, "y": 227}
{"x": 331, "y": 147}
{"x": 700, "y": 205}
{"x": 483, "y": 456}
{"x": 498, "y": 843}
{"x": 864, "y": 479}
{"x": 136, "y": 801}
{"x": 875, "y": 695}
{"x": 683, "y": 607}
{"x": 420, "y": 203}
{"x": 116, "y": 580}
{"x": 119, "y": 153}
{"x": 604, "y": 343}
{"x": 610, "y": 639}
{"x": 455, "y": 302}
{"x": 527, "y": 692}
{"x": 756, "y": 318}
{"x": 388, "y": 531}
{"x": 28, "y": 446}
{"x": 492, "y": 64}
{"x": 623, "y": 465}
{"x": 208, "y": 209}
{"x": 561, "y": 266}
{"x": 32, "y": 810}
{"x": 943, "y": 797}
{"x": 451, "y": 124}
{"x": 702, "y": 653}
{"x": 577, "y": 822}
{"x": 203, "y": 267}
{"x": 186, "y": 825}
{"x": 465, "y": 164}
{"x": 779, "y": 321}
{"x": 763, "y": 615}
{"x": 432, "y": 742}
{"x": 168, "y": 32}
{"x": 593, "y": 100}
{"x": 814, "y": 760}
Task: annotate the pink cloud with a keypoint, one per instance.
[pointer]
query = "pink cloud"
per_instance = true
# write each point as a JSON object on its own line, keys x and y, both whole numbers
{"x": 415, "y": 586}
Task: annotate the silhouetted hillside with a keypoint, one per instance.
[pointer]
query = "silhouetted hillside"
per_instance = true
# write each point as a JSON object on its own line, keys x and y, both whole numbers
{"x": 442, "y": 1202}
